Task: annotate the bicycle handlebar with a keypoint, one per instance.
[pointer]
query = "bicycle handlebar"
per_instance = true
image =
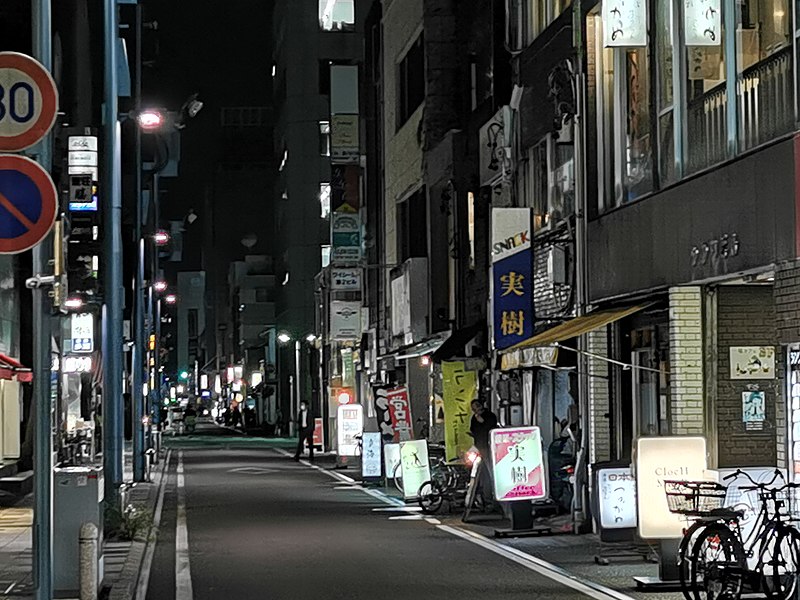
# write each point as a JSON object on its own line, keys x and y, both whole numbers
{"x": 757, "y": 486}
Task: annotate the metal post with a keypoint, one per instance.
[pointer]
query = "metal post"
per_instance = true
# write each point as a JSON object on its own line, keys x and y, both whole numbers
{"x": 298, "y": 395}
{"x": 157, "y": 400}
{"x": 112, "y": 257}
{"x": 138, "y": 397}
{"x": 42, "y": 402}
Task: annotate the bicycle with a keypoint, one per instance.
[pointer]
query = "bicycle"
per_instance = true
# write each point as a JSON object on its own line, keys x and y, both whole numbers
{"x": 449, "y": 481}
{"x": 718, "y": 562}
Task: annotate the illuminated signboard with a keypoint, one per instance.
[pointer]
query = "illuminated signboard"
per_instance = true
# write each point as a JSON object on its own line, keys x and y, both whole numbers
{"x": 391, "y": 458}
{"x": 624, "y": 23}
{"x": 371, "y": 454}
{"x": 658, "y": 458}
{"x": 517, "y": 464}
{"x": 617, "y": 496}
{"x": 82, "y": 332}
{"x": 350, "y": 426}
{"x": 77, "y": 364}
{"x": 416, "y": 469}
{"x": 703, "y": 22}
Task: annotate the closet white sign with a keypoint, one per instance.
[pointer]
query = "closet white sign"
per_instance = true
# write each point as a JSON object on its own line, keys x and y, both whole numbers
{"x": 702, "y": 22}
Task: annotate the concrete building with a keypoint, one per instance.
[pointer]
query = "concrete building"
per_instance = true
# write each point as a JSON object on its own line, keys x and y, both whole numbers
{"x": 317, "y": 49}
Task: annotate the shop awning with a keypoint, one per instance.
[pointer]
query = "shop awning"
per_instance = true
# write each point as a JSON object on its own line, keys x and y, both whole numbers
{"x": 427, "y": 346}
{"x": 578, "y": 326}
{"x": 11, "y": 368}
{"x": 454, "y": 345}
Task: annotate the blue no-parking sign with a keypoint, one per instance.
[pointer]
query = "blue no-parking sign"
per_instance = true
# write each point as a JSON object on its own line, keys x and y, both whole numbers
{"x": 28, "y": 202}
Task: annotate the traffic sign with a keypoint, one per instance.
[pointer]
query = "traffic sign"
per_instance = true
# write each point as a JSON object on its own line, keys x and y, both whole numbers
{"x": 28, "y": 101}
{"x": 28, "y": 202}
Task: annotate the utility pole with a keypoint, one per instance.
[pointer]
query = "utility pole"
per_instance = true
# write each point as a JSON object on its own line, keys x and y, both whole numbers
{"x": 138, "y": 397}
{"x": 112, "y": 309}
{"x": 42, "y": 361}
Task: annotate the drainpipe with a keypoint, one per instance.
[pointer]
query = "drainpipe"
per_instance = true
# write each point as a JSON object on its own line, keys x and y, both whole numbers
{"x": 581, "y": 496}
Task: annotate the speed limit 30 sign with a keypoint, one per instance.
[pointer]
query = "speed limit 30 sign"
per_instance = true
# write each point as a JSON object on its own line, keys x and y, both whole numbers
{"x": 28, "y": 101}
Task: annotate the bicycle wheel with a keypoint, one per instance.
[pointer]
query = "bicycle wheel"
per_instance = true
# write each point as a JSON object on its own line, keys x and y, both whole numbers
{"x": 717, "y": 564}
{"x": 780, "y": 571}
{"x": 684, "y": 558}
{"x": 430, "y": 497}
{"x": 397, "y": 477}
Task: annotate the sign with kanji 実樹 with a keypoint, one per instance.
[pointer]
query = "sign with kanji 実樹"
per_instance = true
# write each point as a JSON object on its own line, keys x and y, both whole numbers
{"x": 512, "y": 277}
{"x": 459, "y": 388}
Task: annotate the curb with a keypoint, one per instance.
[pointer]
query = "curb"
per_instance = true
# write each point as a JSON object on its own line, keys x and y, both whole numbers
{"x": 126, "y": 584}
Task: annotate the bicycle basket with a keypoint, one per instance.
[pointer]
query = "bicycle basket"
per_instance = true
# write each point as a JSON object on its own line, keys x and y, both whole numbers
{"x": 696, "y": 498}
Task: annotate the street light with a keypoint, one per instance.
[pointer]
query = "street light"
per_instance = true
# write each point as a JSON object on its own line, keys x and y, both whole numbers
{"x": 73, "y": 303}
{"x": 170, "y": 298}
{"x": 150, "y": 120}
{"x": 160, "y": 286}
{"x": 161, "y": 238}
{"x": 311, "y": 338}
{"x": 284, "y": 338}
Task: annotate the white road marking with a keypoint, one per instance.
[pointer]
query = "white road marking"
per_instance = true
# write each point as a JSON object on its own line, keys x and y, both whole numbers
{"x": 408, "y": 509}
{"x": 542, "y": 567}
{"x": 407, "y": 518}
{"x": 147, "y": 562}
{"x": 183, "y": 573}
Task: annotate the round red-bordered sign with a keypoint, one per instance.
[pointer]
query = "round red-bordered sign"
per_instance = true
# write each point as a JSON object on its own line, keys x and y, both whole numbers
{"x": 43, "y": 99}
{"x": 28, "y": 202}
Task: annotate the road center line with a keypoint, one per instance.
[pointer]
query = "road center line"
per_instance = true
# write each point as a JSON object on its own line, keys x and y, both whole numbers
{"x": 147, "y": 563}
{"x": 183, "y": 574}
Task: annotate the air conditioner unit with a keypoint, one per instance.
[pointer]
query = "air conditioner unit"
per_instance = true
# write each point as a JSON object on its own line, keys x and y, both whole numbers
{"x": 556, "y": 265}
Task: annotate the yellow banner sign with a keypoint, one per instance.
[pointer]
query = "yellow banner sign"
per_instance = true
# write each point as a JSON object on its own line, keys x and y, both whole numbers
{"x": 460, "y": 387}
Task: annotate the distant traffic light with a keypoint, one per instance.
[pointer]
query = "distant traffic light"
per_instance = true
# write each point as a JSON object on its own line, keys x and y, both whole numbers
{"x": 184, "y": 375}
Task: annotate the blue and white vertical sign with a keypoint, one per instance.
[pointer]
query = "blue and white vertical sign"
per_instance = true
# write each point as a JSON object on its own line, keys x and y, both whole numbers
{"x": 512, "y": 276}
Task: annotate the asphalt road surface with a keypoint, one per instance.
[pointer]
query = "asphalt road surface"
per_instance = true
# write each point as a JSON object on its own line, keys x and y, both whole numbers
{"x": 244, "y": 521}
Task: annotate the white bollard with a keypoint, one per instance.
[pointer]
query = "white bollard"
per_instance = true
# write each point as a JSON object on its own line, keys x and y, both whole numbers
{"x": 88, "y": 561}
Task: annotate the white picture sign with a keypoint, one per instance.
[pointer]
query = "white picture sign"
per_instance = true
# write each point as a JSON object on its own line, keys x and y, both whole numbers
{"x": 703, "y": 22}
{"x": 391, "y": 458}
{"x": 617, "y": 496}
{"x": 752, "y": 362}
{"x": 416, "y": 470}
{"x": 624, "y": 23}
{"x": 371, "y": 454}
{"x": 349, "y": 427}
{"x": 677, "y": 458}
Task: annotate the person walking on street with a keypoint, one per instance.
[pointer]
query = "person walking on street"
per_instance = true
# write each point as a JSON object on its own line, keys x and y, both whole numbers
{"x": 305, "y": 431}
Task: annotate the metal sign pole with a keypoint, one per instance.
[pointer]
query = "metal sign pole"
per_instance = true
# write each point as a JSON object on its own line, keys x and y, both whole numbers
{"x": 42, "y": 403}
{"x": 112, "y": 321}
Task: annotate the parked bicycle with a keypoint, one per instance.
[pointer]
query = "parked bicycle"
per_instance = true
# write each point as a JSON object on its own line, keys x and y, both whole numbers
{"x": 727, "y": 548}
{"x": 451, "y": 481}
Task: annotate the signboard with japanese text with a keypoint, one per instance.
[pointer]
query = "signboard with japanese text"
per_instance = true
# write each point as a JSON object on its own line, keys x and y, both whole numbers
{"x": 624, "y": 23}
{"x": 371, "y": 454}
{"x": 345, "y": 237}
{"x": 459, "y": 389}
{"x": 518, "y": 464}
{"x": 617, "y": 496}
{"x": 393, "y": 413}
{"x": 752, "y": 362}
{"x": 754, "y": 410}
{"x": 681, "y": 458}
{"x": 345, "y": 280}
{"x": 318, "y": 438}
{"x": 512, "y": 277}
{"x": 82, "y": 332}
{"x": 345, "y": 148}
{"x": 349, "y": 427}
{"x": 703, "y": 22}
{"x": 348, "y": 368}
{"x": 416, "y": 469}
{"x": 345, "y": 323}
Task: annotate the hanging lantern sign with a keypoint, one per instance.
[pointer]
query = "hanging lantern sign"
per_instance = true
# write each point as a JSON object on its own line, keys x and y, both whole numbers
{"x": 702, "y": 22}
{"x": 624, "y": 23}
